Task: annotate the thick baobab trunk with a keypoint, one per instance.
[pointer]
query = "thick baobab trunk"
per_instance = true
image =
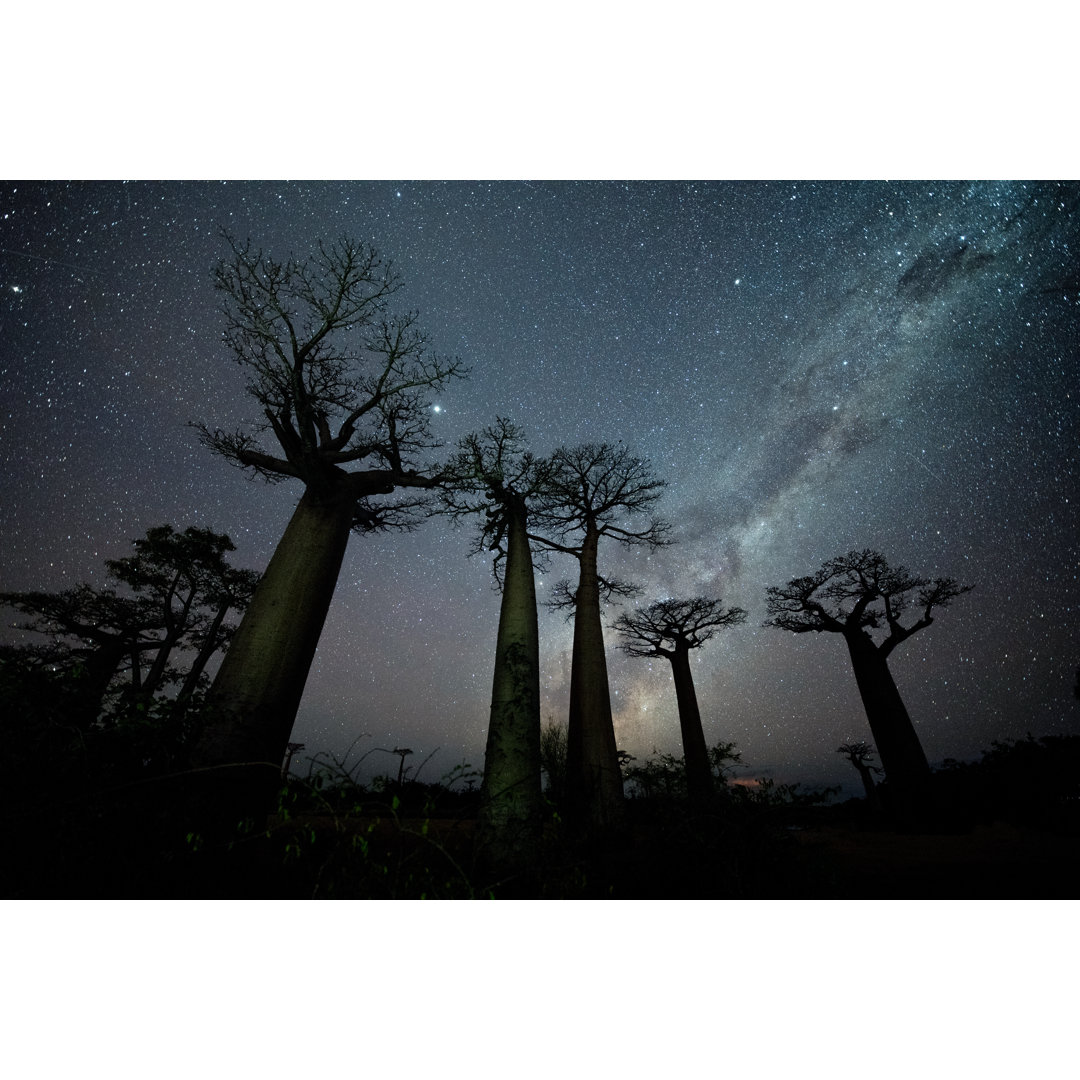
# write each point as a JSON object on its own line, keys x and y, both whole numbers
{"x": 901, "y": 753}
{"x": 510, "y": 792}
{"x": 699, "y": 781}
{"x": 592, "y": 760}
{"x": 253, "y": 701}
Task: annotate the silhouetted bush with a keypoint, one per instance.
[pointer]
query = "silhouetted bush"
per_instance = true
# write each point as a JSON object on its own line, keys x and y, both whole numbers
{"x": 1030, "y": 782}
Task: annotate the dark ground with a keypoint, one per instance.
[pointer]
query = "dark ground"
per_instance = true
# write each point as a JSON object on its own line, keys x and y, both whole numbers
{"x": 388, "y": 852}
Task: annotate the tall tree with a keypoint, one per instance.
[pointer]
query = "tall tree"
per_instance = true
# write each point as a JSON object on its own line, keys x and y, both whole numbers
{"x": 495, "y": 477}
{"x": 594, "y": 492}
{"x": 340, "y": 383}
{"x": 672, "y": 628}
{"x": 854, "y": 596}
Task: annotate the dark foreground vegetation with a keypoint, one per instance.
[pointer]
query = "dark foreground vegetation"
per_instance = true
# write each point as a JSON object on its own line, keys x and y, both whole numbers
{"x": 99, "y": 823}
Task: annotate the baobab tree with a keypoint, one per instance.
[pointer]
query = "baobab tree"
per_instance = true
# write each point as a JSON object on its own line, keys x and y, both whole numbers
{"x": 671, "y": 628}
{"x": 861, "y": 756}
{"x": 494, "y": 477}
{"x": 340, "y": 383}
{"x": 854, "y": 596}
{"x": 593, "y": 493}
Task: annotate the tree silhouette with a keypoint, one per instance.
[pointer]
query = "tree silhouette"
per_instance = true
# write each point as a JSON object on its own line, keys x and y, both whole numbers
{"x": 340, "y": 384}
{"x": 854, "y": 595}
{"x": 593, "y": 490}
{"x": 861, "y": 755}
{"x": 92, "y": 632}
{"x": 553, "y": 759}
{"x": 185, "y": 578}
{"x": 178, "y": 591}
{"x": 493, "y": 475}
{"x": 671, "y": 628}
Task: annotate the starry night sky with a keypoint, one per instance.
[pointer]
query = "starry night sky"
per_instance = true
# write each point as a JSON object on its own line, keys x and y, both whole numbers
{"x": 812, "y": 367}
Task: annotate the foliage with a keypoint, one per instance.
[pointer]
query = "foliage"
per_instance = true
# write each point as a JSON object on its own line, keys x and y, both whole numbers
{"x": 177, "y": 590}
{"x": 663, "y": 776}
{"x": 339, "y": 838}
{"x": 766, "y": 792}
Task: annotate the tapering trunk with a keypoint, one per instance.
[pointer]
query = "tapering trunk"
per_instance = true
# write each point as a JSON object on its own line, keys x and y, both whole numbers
{"x": 253, "y": 701}
{"x": 594, "y": 783}
{"x": 510, "y": 792}
{"x": 699, "y": 782}
{"x": 902, "y": 756}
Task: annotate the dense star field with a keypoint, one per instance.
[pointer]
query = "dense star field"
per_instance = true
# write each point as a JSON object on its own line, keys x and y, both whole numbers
{"x": 812, "y": 367}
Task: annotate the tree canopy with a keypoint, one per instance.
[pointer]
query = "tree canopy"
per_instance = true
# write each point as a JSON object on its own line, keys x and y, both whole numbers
{"x": 860, "y": 591}
{"x": 340, "y": 381}
{"x": 670, "y": 624}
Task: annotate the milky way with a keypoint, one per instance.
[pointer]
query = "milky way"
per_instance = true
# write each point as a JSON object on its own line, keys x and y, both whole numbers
{"x": 811, "y": 367}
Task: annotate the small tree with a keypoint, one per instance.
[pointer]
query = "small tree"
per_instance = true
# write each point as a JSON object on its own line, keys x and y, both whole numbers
{"x": 553, "y": 759}
{"x": 593, "y": 491}
{"x": 340, "y": 386}
{"x": 861, "y": 755}
{"x": 671, "y": 628}
{"x": 856, "y": 595}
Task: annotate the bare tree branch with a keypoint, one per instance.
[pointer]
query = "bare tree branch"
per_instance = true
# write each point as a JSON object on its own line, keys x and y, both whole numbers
{"x": 859, "y": 591}
{"x": 338, "y": 379}
{"x": 667, "y": 625}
